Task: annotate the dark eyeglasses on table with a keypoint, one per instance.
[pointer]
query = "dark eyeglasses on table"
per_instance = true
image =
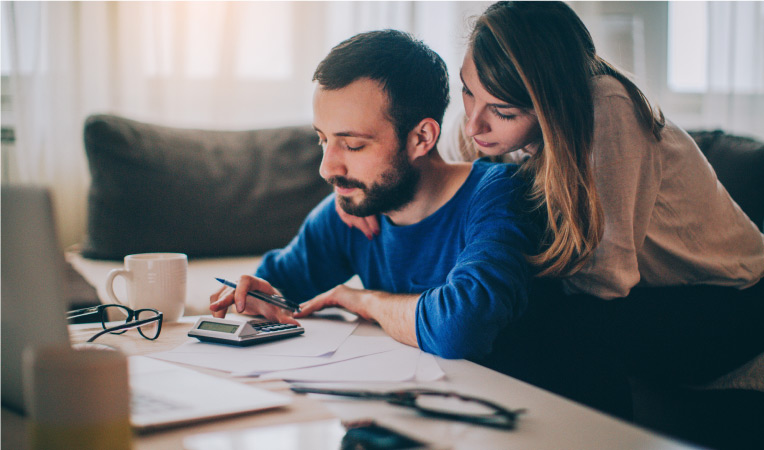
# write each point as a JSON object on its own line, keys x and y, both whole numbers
{"x": 443, "y": 404}
{"x": 148, "y": 321}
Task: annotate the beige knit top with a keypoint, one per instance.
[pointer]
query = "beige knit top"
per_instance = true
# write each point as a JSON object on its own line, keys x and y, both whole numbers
{"x": 668, "y": 219}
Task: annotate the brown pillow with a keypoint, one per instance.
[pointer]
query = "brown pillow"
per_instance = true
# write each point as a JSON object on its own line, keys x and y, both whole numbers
{"x": 200, "y": 192}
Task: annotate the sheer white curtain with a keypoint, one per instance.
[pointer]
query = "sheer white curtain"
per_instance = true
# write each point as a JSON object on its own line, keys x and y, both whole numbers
{"x": 701, "y": 62}
{"x": 735, "y": 68}
{"x": 223, "y": 65}
{"x": 41, "y": 46}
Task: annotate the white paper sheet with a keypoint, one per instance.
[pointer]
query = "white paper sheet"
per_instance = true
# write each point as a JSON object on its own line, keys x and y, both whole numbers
{"x": 427, "y": 368}
{"x": 403, "y": 364}
{"x": 311, "y": 358}
{"x": 395, "y": 365}
{"x": 242, "y": 361}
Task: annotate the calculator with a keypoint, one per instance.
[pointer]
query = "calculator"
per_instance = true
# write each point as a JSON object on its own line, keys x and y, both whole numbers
{"x": 242, "y": 332}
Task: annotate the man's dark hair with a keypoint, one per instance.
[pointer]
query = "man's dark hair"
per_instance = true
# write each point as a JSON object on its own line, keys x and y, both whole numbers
{"x": 414, "y": 77}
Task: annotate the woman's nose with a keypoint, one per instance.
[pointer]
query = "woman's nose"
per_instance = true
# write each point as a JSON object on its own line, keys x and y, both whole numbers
{"x": 475, "y": 124}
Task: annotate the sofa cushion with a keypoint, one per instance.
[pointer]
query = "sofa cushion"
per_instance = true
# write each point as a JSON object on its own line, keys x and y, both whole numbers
{"x": 200, "y": 192}
{"x": 739, "y": 163}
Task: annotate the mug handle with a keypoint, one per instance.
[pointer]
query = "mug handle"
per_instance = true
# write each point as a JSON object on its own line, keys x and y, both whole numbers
{"x": 110, "y": 284}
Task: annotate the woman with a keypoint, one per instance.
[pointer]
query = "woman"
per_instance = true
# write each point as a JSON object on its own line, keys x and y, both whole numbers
{"x": 662, "y": 269}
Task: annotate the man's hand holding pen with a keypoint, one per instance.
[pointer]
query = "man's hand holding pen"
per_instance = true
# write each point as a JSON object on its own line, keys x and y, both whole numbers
{"x": 246, "y": 303}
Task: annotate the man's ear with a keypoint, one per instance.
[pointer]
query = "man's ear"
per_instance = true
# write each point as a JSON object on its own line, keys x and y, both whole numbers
{"x": 423, "y": 137}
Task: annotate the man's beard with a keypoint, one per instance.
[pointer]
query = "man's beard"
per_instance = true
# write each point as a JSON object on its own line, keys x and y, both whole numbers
{"x": 393, "y": 192}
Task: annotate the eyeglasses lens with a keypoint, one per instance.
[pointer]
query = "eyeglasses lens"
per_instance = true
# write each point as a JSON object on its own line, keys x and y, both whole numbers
{"x": 151, "y": 329}
{"x": 114, "y": 313}
{"x": 453, "y": 405}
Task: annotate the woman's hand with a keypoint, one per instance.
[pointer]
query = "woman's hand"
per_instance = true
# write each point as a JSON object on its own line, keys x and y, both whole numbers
{"x": 226, "y": 296}
{"x": 368, "y": 225}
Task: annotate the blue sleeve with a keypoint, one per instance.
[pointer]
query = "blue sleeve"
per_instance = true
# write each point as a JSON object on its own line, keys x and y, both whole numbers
{"x": 488, "y": 287}
{"x": 315, "y": 260}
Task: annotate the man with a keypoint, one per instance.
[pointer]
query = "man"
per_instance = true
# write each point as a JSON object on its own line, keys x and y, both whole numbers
{"x": 447, "y": 272}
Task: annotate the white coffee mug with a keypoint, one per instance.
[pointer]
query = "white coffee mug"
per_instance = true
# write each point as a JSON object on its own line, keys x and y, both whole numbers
{"x": 154, "y": 280}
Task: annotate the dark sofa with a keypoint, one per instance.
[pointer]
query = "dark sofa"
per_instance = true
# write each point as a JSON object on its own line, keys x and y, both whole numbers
{"x": 727, "y": 414}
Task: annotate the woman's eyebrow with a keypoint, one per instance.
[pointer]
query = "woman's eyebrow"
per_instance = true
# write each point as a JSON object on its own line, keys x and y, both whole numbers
{"x": 493, "y": 105}
{"x": 462, "y": 78}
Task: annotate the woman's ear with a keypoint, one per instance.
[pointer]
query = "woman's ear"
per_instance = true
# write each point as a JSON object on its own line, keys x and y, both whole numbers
{"x": 423, "y": 137}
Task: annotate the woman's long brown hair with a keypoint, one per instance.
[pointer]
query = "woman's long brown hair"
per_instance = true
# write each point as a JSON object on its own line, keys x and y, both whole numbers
{"x": 540, "y": 56}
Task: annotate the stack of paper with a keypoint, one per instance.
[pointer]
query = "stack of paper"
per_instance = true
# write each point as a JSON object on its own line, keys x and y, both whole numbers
{"x": 326, "y": 352}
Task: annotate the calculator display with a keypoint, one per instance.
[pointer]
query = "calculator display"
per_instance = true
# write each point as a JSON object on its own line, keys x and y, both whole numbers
{"x": 220, "y": 327}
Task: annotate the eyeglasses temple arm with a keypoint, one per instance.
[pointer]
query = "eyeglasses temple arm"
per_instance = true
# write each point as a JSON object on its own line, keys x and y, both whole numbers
{"x": 340, "y": 392}
{"x": 82, "y": 312}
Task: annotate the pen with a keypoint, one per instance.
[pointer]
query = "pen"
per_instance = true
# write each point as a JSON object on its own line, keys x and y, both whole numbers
{"x": 273, "y": 299}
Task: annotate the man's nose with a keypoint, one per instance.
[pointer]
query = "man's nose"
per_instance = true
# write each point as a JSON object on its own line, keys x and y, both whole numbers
{"x": 332, "y": 163}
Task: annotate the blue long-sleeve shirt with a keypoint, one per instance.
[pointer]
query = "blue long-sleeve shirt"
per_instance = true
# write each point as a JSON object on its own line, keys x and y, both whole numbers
{"x": 467, "y": 260}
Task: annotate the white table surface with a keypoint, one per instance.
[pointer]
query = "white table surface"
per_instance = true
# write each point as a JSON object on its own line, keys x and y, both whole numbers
{"x": 551, "y": 422}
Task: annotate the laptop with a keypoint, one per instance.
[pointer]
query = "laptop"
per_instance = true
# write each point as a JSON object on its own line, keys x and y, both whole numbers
{"x": 31, "y": 273}
{"x": 34, "y": 313}
{"x": 165, "y": 395}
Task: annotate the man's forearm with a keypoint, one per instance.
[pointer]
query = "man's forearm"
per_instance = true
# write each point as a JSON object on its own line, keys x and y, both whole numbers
{"x": 395, "y": 313}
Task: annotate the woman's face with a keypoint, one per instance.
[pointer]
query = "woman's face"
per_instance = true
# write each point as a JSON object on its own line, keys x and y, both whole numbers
{"x": 495, "y": 126}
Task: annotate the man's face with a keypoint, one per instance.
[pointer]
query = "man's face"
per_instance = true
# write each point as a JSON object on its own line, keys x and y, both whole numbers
{"x": 363, "y": 158}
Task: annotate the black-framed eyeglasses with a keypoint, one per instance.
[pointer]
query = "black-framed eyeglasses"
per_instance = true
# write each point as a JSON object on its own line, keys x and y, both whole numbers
{"x": 148, "y": 321}
{"x": 444, "y": 404}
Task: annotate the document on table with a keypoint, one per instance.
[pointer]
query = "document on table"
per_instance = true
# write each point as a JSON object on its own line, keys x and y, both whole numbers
{"x": 402, "y": 364}
{"x": 243, "y": 361}
{"x": 327, "y": 344}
